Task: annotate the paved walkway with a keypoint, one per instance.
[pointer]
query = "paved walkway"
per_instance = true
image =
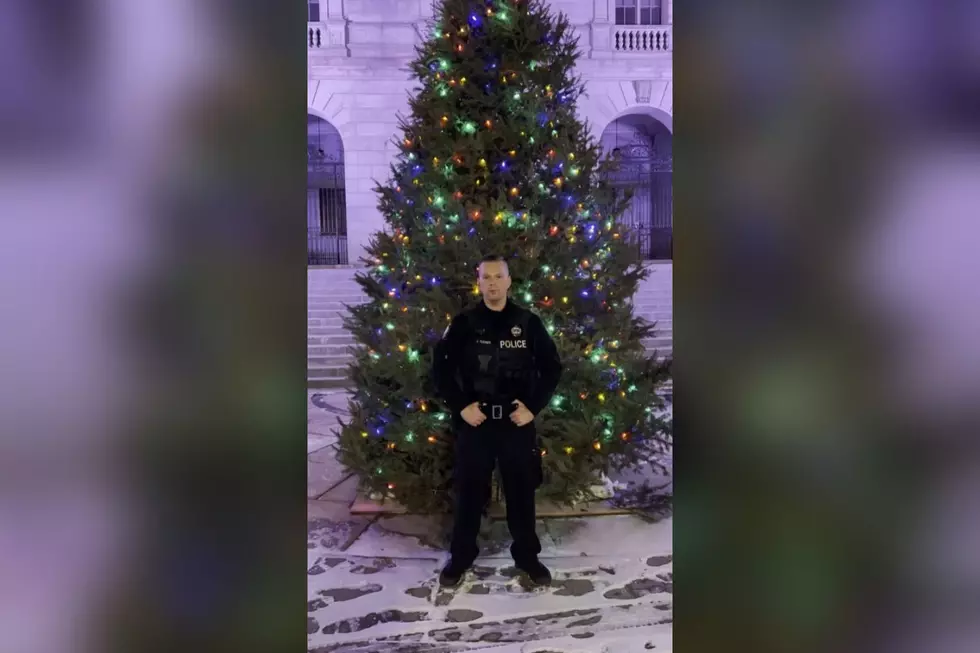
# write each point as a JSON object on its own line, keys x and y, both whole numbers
{"x": 373, "y": 582}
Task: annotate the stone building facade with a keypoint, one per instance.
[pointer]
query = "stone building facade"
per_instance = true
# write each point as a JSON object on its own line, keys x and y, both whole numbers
{"x": 358, "y": 85}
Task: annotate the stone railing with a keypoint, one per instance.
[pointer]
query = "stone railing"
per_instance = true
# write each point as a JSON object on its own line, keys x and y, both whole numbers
{"x": 327, "y": 38}
{"x": 315, "y": 36}
{"x": 643, "y": 39}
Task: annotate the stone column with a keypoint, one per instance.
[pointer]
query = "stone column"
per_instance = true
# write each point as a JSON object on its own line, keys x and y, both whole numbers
{"x": 669, "y": 12}
{"x": 367, "y": 157}
{"x": 334, "y": 27}
{"x": 601, "y": 29}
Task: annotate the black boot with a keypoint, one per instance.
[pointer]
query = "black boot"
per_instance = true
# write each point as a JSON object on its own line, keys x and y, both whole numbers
{"x": 536, "y": 571}
{"x": 452, "y": 574}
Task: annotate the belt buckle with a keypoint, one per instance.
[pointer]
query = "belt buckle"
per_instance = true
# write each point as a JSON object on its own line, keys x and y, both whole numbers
{"x": 497, "y": 411}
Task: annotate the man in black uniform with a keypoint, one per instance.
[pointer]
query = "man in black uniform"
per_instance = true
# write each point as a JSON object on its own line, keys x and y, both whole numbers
{"x": 496, "y": 367}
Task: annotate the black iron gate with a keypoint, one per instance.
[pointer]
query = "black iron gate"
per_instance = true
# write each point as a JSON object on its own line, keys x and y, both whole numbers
{"x": 326, "y": 211}
{"x": 650, "y": 213}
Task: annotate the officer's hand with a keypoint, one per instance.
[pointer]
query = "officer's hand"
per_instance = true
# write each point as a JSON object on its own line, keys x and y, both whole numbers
{"x": 522, "y": 416}
{"x": 472, "y": 414}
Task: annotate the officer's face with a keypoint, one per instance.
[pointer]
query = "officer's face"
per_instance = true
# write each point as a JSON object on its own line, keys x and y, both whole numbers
{"x": 494, "y": 280}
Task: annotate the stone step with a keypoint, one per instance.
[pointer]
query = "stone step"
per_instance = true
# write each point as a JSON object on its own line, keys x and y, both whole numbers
{"x": 340, "y": 339}
{"x": 319, "y": 371}
{"x": 327, "y": 330}
{"x": 329, "y": 350}
{"x": 328, "y": 362}
{"x": 335, "y": 348}
{"x": 323, "y": 384}
{"x": 334, "y": 302}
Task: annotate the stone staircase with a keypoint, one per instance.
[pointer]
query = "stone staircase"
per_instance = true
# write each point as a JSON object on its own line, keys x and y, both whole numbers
{"x": 330, "y": 288}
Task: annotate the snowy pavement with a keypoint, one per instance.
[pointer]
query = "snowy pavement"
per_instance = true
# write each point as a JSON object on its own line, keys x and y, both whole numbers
{"x": 373, "y": 584}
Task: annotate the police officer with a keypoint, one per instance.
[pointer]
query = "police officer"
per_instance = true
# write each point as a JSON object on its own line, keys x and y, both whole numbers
{"x": 496, "y": 367}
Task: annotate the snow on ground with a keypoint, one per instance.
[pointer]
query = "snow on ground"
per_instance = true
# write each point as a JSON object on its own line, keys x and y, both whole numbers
{"x": 373, "y": 583}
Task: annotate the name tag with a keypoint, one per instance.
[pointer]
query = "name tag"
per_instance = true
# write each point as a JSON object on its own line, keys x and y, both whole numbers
{"x": 484, "y": 342}
{"x": 513, "y": 344}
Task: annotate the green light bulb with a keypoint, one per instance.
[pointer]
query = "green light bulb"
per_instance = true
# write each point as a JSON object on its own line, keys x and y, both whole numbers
{"x": 390, "y": 326}
{"x": 527, "y": 297}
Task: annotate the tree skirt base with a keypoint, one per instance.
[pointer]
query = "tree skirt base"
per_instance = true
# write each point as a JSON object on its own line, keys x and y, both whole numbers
{"x": 362, "y": 505}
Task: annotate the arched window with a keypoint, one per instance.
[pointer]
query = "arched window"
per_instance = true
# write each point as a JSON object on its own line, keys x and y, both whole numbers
{"x": 643, "y": 147}
{"x": 326, "y": 196}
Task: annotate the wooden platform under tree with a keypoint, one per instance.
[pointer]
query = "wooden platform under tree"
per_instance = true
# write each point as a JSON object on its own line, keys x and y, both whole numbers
{"x": 363, "y": 505}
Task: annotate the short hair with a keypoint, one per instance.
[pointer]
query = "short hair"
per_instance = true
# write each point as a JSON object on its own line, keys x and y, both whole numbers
{"x": 493, "y": 258}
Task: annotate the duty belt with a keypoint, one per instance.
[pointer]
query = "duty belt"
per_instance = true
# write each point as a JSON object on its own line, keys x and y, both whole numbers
{"x": 495, "y": 410}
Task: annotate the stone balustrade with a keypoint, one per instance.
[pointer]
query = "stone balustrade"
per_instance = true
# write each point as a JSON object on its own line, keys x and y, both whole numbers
{"x": 378, "y": 39}
{"x": 642, "y": 39}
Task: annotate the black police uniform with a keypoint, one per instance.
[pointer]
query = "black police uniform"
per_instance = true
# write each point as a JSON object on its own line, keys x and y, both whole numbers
{"x": 494, "y": 358}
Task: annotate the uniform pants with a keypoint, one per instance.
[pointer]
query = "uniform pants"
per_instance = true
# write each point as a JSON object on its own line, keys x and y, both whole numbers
{"x": 477, "y": 450}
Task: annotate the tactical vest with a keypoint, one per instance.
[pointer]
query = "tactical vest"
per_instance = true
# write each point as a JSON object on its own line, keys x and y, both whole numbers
{"x": 499, "y": 355}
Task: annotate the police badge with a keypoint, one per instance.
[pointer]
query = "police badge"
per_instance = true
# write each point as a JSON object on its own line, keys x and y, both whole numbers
{"x": 516, "y": 331}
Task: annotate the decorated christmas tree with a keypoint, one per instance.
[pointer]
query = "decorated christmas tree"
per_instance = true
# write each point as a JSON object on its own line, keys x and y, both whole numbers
{"x": 494, "y": 161}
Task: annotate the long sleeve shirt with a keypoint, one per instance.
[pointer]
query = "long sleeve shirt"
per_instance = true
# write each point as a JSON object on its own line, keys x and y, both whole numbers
{"x": 496, "y": 357}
